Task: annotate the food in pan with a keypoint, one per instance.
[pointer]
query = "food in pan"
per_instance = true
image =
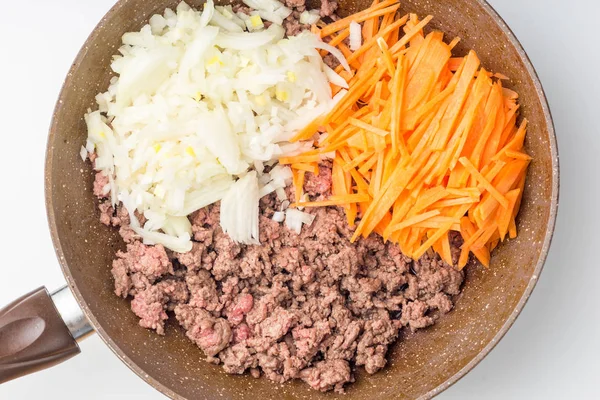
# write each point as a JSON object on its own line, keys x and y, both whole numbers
{"x": 294, "y": 188}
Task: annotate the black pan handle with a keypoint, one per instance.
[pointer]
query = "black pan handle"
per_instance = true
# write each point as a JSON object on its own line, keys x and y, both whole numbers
{"x": 38, "y": 331}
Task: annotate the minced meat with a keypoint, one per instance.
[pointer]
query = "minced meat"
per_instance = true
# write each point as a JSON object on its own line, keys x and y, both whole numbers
{"x": 292, "y": 23}
{"x": 312, "y": 306}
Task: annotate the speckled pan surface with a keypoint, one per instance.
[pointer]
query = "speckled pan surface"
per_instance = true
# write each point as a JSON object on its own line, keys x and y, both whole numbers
{"x": 422, "y": 364}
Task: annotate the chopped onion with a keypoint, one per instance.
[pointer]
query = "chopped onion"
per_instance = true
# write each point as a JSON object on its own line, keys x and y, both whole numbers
{"x": 239, "y": 210}
{"x": 334, "y": 52}
{"x": 266, "y": 190}
{"x": 83, "y": 153}
{"x": 309, "y": 17}
{"x": 221, "y": 21}
{"x": 227, "y": 12}
{"x": 198, "y": 107}
{"x": 247, "y": 40}
{"x": 278, "y": 216}
{"x": 335, "y": 78}
{"x": 177, "y": 226}
{"x": 271, "y": 16}
{"x": 207, "y": 14}
{"x": 355, "y": 36}
{"x": 295, "y": 218}
{"x": 281, "y": 195}
{"x": 181, "y": 244}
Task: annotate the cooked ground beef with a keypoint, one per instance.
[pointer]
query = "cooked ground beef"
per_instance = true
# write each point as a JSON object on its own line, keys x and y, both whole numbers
{"x": 312, "y": 306}
{"x": 328, "y": 8}
{"x": 292, "y": 23}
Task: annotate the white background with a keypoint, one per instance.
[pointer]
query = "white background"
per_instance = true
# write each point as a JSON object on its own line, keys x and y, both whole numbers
{"x": 553, "y": 350}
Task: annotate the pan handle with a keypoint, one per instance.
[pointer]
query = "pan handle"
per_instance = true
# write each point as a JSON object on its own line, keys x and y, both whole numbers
{"x": 38, "y": 331}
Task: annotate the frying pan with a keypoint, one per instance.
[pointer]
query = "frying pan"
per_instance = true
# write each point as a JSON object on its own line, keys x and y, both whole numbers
{"x": 40, "y": 330}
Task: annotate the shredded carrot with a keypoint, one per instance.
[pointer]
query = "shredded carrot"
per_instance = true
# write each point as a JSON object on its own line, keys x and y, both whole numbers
{"x": 425, "y": 143}
{"x": 518, "y": 155}
{"x": 454, "y": 42}
{"x": 357, "y": 160}
{"x": 298, "y": 178}
{"x": 484, "y": 182}
{"x": 370, "y": 128}
{"x": 369, "y": 164}
{"x": 377, "y": 10}
{"x": 304, "y": 158}
{"x": 416, "y": 219}
{"x": 314, "y": 168}
{"x": 335, "y": 201}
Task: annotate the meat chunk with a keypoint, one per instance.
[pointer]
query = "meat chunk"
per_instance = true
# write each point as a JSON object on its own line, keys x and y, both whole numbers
{"x": 328, "y": 8}
{"x": 320, "y": 184}
{"x": 277, "y": 325}
{"x": 308, "y": 340}
{"x": 327, "y": 375}
{"x": 101, "y": 185}
{"x": 295, "y": 3}
{"x": 240, "y": 308}
{"x": 210, "y": 334}
{"x": 237, "y": 359}
{"x": 138, "y": 267}
{"x": 151, "y": 261}
{"x": 151, "y": 304}
{"x": 414, "y": 315}
{"x": 193, "y": 258}
{"x": 372, "y": 347}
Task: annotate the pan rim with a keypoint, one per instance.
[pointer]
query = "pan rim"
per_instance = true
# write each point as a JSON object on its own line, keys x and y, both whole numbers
{"x": 550, "y": 227}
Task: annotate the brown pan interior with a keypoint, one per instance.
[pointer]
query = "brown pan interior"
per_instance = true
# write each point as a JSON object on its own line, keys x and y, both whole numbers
{"x": 421, "y": 364}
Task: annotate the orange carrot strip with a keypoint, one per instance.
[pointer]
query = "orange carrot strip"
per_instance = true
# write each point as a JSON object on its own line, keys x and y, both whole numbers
{"x": 438, "y": 222}
{"x": 376, "y": 181}
{"x": 518, "y": 155}
{"x": 516, "y": 143}
{"x": 446, "y": 253}
{"x": 308, "y": 131}
{"x": 454, "y": 42}
{"x": 414, "y": 220}
{"x": 472, "y": 192}
{"x": 432, "y": 104}
{"x": 377, "y": 10}
{"x": 306, "y": 167}
{"x": 398, "y": 142}
{"x": 335, "y": 201}
{"x": 370, "y": 128}
{"x": 512, "y": 229}
{"x": 340, "y": 37}
{"x": 358, "y": 160}
{"x": 410, "y": 34}
{"x": 298, "y": 178}
{"x": 371, "y": 42}
{"x": 454, "y": 63}
{"x": 429, "y": 242}
{"x": 369, "y": 164}
{"x": 484, "y": 182}
{"x": 453, "y": 202}
{"x": 467, "y": 231}
{"x": 505, "y": 216}
{"x": 505, "y": 180}
{"x": 387, "y": 56}
{"x": 302, "y": 158}
{"x": 485, "y": 237}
